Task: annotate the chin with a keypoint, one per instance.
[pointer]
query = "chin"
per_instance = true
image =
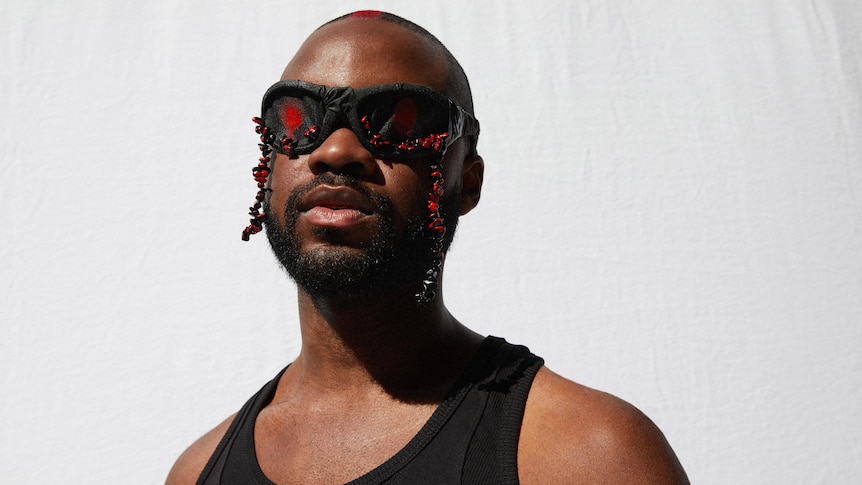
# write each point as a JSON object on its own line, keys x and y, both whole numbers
{"x": 389, "y": 264}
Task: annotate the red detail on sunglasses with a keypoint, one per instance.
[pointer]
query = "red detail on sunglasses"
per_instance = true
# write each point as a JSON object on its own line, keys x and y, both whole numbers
{"x": 311, "y": 132}
{"x": 404, "y": 116}
{"x": 291, "y": 118}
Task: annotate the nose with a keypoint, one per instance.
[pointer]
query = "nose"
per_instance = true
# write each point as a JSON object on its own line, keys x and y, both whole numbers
{"x": 342, "y": 153}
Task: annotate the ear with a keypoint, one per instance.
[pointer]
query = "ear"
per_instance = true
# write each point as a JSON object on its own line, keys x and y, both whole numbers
{"x": 472, "y": 173}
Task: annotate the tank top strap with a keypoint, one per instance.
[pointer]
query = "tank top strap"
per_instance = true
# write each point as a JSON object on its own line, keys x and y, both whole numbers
{"x": 215, "y": 468}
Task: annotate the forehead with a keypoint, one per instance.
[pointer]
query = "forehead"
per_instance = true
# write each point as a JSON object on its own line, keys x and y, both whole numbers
{"x": 364, "y": 52}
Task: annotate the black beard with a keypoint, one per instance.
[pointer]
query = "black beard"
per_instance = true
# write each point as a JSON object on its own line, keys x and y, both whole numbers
{"x": 391, "y": 263}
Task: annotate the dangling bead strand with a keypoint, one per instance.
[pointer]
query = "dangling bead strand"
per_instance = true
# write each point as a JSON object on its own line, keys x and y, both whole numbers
{"x": 435, "y": 224}
{"x": 260, "y": 173}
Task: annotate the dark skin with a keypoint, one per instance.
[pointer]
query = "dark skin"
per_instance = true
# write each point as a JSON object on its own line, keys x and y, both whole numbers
{"x": 370, "y": 374}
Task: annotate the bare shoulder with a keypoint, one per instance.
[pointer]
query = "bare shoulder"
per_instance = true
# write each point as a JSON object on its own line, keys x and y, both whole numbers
{"x": 574, "y": 434}
{"x": 191, "y": 463}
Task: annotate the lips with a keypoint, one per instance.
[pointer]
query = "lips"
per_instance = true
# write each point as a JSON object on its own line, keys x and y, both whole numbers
{"x": 335, "y": 198}
{"x": 331, "y": 206}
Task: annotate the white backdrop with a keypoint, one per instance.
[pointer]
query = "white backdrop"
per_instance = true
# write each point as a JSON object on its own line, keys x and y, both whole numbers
{"x": 672, "y": 213}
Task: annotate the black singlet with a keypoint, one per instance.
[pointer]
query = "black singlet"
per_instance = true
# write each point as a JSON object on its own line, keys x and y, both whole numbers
{"x": 472, "y": 436}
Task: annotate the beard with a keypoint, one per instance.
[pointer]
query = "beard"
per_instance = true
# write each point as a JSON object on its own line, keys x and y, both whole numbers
{"x": 391, "y": 263}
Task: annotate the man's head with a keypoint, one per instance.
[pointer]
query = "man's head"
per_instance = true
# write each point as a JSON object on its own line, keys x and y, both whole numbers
{"x": 455, "y": 84}
{"x": 347, "y": 220}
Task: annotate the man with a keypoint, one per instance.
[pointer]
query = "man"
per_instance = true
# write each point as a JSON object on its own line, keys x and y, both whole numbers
{"x": 362, "y": 181}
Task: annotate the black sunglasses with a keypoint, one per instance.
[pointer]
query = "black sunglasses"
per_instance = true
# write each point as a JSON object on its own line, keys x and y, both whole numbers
{"x": 392, "y": 121}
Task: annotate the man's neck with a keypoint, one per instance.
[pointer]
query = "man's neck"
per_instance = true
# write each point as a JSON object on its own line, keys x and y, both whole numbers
{"x": 411, "y": 352}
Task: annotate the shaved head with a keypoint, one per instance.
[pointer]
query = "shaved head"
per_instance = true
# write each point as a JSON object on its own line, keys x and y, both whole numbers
{"x": 425, "y": 54}
{"x": 457, "y": 85}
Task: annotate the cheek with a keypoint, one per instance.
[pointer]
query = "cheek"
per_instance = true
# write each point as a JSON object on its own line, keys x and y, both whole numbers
{"x": 408, "y": 186}
{"x": 286, "y": 175}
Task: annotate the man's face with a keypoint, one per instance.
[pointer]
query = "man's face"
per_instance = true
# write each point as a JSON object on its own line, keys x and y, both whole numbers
{"x": 344, "y": 224}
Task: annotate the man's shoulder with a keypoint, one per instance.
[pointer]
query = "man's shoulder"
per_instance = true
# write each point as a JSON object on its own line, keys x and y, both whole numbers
{"x": 571, "y": 432}
{"x": 191, "y": 463}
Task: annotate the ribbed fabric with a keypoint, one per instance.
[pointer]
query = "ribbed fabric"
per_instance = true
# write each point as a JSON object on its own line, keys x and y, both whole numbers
{"x": 472, "y": 437}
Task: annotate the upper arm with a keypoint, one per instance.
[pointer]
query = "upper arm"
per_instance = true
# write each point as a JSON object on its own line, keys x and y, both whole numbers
{"x": 191, "y": 462}
{"x": 571, "y": 433}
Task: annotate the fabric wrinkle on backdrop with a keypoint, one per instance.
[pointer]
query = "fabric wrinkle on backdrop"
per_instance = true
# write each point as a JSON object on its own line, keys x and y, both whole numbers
{"x": 671, "y": 213}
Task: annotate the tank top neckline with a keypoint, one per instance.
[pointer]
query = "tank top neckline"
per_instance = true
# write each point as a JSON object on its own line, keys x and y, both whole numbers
{"x": 421, "y": 439}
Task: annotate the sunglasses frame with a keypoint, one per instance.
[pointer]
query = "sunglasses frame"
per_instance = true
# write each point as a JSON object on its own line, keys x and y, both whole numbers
{"x": 341, "y": 104}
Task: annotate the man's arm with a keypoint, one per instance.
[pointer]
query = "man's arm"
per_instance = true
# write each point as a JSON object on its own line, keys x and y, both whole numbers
{"x": 574, "y": 434}
{"x": 191, "y": 463}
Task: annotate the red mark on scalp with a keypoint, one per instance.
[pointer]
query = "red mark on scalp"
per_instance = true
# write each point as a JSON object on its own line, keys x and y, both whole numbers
{"x": 366, "y": 14}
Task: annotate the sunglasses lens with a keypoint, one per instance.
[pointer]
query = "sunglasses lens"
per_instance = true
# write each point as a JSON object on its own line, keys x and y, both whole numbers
{"x": 395, "y": 120}
{"x": 296, "y": 117}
